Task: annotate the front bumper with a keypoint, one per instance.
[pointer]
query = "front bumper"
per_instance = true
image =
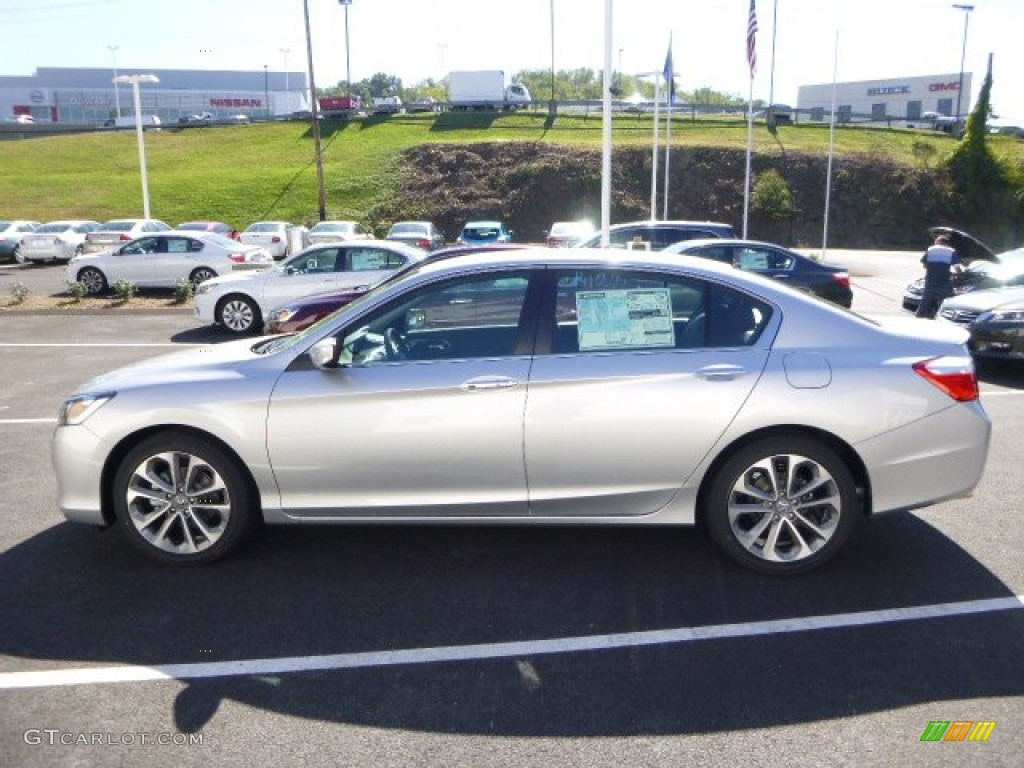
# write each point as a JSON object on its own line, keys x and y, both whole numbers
{"x": 78, "y": 457}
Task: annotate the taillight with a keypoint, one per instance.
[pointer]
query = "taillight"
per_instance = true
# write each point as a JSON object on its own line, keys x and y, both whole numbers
{"x": 237, "y": 258}
{"x": 276, "y": 239}
{"x": 423, "y": 243}
{"x": 954, "y": 375}
{"x": 843, "y": 278}
{"x": 125, "y": 237}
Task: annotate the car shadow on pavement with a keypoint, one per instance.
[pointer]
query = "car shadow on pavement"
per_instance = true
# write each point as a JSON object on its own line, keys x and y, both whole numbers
{"x": 1004, "y": 373}
{"x": 206, "y": 334}
{"x": 74, "y": 596}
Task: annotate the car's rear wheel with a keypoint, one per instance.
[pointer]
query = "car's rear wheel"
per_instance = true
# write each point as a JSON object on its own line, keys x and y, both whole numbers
{"x": 182, "y": 500}
{"x": 95, "y": 282}
{"x": 239, "y": 314}
{"x": 18, "y": 255}
{"x": 783, "y": 505}
{"x": 201, "y": 274}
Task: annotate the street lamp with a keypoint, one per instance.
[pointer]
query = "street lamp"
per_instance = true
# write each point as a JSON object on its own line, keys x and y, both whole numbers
{"x": 117, "y": 94}
{"x": 133, "y": 81}
{"x": 348, "y": 58}
{"x": 287, "y": 88}
{"x": 960, "y": 89}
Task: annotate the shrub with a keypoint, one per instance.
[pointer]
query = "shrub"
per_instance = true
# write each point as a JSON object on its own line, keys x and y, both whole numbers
{"x": 77, "y": 291}
{"x": 19, "y": 292}
{"x": 772, "y": 196}
{"x": 184, "y": 291}
{"x": 124, "y": 290}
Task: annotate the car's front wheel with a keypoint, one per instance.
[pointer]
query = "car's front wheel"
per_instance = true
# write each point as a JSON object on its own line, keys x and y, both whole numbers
{"x": 239, "y": 314}
{"x": 18, "y": 255}
{"x": 182, "y": 500}
{"x": 95, "y": 282}
{"x": 783, "y": 505}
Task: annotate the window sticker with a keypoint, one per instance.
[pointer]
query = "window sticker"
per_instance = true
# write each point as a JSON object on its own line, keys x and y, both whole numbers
{"x": 635, "y": 318}
{"x": 365, "y": 261}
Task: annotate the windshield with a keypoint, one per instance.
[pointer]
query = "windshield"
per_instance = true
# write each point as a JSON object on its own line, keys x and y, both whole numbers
{"x": 225, "y": 242}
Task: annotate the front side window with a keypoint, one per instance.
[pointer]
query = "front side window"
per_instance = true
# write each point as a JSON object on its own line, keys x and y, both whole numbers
{"x": 315, "y": 262}
{"x": 142, "y": 245}
{"x": 469, "y": 317}
{"x": 762, "y": 259}
{"x": 613, "y": 310}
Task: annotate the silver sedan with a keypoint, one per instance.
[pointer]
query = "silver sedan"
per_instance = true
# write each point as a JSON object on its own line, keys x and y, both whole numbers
{"x": 538, "y": 387}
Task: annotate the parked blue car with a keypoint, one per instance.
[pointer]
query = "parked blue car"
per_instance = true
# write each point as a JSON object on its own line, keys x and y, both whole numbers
{"x": 482, "y": 232}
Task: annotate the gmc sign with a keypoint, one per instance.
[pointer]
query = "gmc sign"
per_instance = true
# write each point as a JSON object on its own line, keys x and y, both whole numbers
{"x": 953, "y": 86}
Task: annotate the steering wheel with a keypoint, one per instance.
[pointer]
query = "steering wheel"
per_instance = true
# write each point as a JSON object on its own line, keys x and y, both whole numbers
{"x": 396, "y": 344}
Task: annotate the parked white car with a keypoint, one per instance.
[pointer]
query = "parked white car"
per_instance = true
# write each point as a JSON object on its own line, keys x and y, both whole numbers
{"x": 240, "y": 302}
{"x": 119, "y": 231}
{"x": 273, "y": 236}
{"x": 56, "y": 241}
{"x": 163, "y": 260}
{"x": 337, "y": 231}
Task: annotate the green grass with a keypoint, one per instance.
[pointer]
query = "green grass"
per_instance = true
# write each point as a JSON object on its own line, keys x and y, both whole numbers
{"x": 242, "y": 174}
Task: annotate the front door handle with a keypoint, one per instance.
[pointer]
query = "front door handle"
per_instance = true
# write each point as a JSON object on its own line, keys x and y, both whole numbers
{"x": 489, "y": 382}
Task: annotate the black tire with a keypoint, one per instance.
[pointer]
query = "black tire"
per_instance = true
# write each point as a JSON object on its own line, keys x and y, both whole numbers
{"x": 95, "y": 282}
{"x": 17, "y": 255}
{"x": 239, "y": 314}
{"x": 758, "y": 511}
{"x": 182, "y": 500}
{"x": 201, "y": 274}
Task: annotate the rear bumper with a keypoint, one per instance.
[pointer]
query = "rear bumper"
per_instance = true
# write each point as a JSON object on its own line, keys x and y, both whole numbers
{"x": 909, "y": 459}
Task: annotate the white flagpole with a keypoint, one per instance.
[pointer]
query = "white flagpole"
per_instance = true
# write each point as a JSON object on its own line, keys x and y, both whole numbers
{"x": 668, "y": 144}
{"x": 606, "y": 149}
{"x": 654, "y": 152}
{"x": 750, "y": 149}
{"x": 831, "y": 147}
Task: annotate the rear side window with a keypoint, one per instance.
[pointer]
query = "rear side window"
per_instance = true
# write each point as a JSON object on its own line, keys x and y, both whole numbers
{"x": 611, "y": 310}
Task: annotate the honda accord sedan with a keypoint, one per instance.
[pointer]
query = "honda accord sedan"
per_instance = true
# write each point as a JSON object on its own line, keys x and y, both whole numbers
{"x": 541, "y": 386}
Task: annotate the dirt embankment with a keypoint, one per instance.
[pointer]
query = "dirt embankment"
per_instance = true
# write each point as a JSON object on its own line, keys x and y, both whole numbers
{"x": 875, "y": 203}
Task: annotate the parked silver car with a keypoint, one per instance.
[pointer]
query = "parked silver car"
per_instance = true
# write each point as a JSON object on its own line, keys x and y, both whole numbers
{"x": 163, "y": 260}
{"x": 117, "y": 232}
{"x": 539, "y": 386}
{"x": 57, "y": 241}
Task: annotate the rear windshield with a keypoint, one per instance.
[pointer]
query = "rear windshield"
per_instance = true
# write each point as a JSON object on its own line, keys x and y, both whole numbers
{"x": 264, "y": 227}
{"x": 331, "y": 228}
{"x": 54, "y": 228}
{"x": 480, "y": 232}
{"x": 408, "y": 229}
{"x": 118, "y": 226}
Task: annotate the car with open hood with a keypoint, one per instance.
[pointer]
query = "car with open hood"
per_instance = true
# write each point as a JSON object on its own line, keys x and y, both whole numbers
{"x": 983, "y": 268}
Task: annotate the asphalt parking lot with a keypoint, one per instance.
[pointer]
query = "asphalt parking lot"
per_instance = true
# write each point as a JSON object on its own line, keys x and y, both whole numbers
{"x": 467, "y": 647}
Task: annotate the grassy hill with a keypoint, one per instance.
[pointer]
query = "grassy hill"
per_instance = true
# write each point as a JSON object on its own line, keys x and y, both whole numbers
{"x": 241, "y": 174}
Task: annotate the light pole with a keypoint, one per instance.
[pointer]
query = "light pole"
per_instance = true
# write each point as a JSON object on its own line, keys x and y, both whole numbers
{"x": 960, "y": 89}
{"x": 348, "y": 58}
{"x": 266, "y": 91}
{"x": 442, "y": 47}
{"x": 133, "y": 81}
{"x": 314, "y": 109}
{"x": 551, "y": 106}
{"x": 287, "y": 88}
{"x": 117, "y": 94}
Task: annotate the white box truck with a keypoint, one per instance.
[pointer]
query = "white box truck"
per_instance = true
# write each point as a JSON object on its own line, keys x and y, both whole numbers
{"x": 149, "y": 122}
{"x": 485, "y": 89}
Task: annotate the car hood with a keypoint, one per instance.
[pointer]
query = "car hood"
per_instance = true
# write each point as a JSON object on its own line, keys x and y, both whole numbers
{"x": 213, "y": 362}
{"x": 244, "y": 275}
{"x": 982, "y": 300}
{"x": 969, "y": 247}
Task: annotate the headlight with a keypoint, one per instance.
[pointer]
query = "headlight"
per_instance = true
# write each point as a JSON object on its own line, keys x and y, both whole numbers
{"x": 281, "y": 315}
{"x": 1001, "y": 316}
{"x": 77, "y": 409}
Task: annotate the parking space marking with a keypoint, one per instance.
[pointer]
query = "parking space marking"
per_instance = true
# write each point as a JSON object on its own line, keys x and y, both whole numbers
{"x": 97, "y": 344}
{"x": 490, "y": 651}
{"x": 47, "y": 420}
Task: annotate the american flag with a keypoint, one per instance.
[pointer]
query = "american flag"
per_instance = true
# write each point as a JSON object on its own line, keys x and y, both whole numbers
{"x": 751, "y": 40}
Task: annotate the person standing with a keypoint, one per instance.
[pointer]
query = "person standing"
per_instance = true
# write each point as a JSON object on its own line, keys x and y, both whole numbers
{"x": 940, "y": 262}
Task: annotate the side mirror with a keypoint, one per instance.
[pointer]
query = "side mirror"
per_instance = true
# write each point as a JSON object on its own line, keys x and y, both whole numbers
{"x": 324, "y": 354}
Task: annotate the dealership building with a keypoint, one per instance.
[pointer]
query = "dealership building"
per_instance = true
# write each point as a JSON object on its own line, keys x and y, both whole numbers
{"x": 89, "y": 96}
{"x": 898, "y": 98}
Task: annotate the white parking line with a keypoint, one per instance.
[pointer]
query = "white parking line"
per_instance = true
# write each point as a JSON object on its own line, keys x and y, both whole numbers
{"x": 97, "y": 344}
{"x": 48, "y": 420}
{"x": 126, "y": 674}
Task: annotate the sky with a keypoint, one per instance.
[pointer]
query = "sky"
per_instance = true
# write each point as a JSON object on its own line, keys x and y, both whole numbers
{"x": 416, "y": 39}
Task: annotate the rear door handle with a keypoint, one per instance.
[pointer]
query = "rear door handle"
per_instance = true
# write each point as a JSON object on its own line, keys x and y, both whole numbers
{"x": 722, "y": 372}
{"x": 489, "y": 382}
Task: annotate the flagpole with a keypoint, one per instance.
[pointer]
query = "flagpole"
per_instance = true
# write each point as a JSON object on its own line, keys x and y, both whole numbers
{"x": 654, "y": 152}
{"x": 750, "y": 150}
{"x": 752, "y": 66}
{"x": 831, "y": 148}
{"x": 606, "y": 133}
{"x": 670, "y": 90}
